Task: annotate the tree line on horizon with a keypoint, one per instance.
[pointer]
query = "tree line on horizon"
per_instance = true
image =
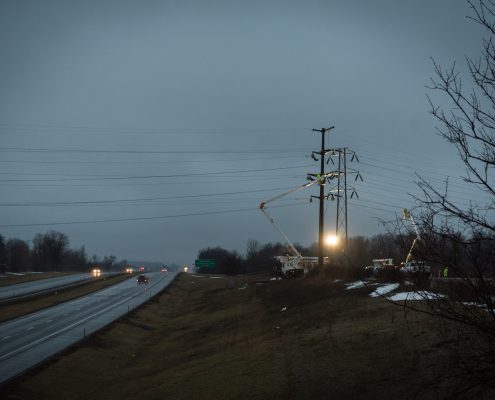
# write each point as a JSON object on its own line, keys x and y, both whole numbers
{"x": 433, "y": 248}
{"x": 49, "y": 251}
{"x": 259, "y": 257}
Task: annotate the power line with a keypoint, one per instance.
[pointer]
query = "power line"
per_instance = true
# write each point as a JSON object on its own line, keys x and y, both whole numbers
{"x": 141, "y": 218}
{"x": 84, "y": 151}
{"x": 245, "y": 178}
{"x": 152, "y": 176}
{"x": 63, "y": 129}
{"x": 216, "y": 160}
{"x": 58, "y": 203}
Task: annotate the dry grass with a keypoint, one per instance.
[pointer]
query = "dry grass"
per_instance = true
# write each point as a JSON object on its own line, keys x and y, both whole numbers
{"x": 18, "y": 308}
{"x": 202, "y": 339}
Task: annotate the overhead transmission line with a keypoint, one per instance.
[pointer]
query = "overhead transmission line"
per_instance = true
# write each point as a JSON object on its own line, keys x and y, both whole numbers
{"x": 102, "y": 178}
{"x": 95, "y": 151}
{"x": 52, "y": 128}
{"x": 91, "y": 162}
{"x": 141, "y": 218}
{"x": 192, "y": 196}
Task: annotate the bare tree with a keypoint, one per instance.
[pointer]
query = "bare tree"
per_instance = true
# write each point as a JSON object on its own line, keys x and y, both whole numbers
{"x": 463, "y": 238}
{"x": 18, "y": 255}
{"x": 3, "y": 255}
{"x": 253, "y": 249}
{"x": 48, "y": 250}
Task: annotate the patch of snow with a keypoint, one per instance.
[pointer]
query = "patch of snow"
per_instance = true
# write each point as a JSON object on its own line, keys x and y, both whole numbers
{"x": 16, "y": 273}
{"x": 283, "y": 309}
{"x": 355, "y": 285}
{"x": 359, "y": 284}
{"x": 337, "y": 280}
{"x": 215, "y": 277}
{"x": 408, "y": 296}
{"x": 382, "y": 290}
{"x": 199, "y": 276}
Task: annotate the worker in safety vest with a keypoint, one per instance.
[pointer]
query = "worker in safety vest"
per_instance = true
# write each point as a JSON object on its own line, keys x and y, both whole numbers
{"x": 446, "y": 272}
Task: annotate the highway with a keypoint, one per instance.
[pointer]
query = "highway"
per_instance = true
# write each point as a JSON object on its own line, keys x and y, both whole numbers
{"x": 27, "y": 341}
{"x": 26, "y": 288}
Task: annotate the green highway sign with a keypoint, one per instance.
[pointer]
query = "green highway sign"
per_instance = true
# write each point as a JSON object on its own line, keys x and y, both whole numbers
{"x": 205, "y": 263}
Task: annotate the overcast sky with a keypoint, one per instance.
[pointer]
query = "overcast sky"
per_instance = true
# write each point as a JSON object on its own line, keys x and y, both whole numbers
{"x": 177, "y": 118}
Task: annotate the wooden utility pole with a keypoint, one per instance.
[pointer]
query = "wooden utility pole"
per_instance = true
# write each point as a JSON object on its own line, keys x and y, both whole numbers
{"x": 321, "y": 197}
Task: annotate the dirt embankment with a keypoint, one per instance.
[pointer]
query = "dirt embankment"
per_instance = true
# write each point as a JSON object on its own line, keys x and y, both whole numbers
{"x": 247, "y": 338}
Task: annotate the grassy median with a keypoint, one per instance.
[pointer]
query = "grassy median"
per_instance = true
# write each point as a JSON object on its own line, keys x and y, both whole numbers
{"x": 7, "y": 280}
{"x": 219, "y": 339}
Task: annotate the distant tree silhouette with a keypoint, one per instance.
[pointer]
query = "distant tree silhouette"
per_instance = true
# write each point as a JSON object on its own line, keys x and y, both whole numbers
{"x": 227, "y": 262}
{"x": 48, "y": 250}
{"x": 75, "y": 260}
{"x": 3, "y": 254}
{"x": 108, "y": 262}
{"x": 18, "y": 255}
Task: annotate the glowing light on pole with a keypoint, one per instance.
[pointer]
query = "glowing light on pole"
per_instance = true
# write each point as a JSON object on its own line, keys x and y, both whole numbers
{"x": 332, "y": 240}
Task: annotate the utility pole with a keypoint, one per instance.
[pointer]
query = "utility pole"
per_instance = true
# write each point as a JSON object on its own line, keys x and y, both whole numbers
{"x": 321, "y": 197}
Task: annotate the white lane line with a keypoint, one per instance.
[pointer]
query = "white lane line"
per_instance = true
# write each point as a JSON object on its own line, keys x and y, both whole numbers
{"x": 49, "y": 321}
{"x": 5, "y": 338}
{"x": 30, "y": 328}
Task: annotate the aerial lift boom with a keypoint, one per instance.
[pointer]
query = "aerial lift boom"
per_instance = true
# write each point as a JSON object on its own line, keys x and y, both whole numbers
{"x": 414, "y": 266}
{"x": 294, "y": 263}
{"x": 407, "y": 215}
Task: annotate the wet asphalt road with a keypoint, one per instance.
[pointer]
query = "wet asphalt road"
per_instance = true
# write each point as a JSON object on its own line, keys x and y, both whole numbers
{"x": 27, "y": 341}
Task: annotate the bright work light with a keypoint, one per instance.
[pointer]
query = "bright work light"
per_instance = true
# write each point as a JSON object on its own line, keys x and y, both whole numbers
{"x": 332, "y": 240}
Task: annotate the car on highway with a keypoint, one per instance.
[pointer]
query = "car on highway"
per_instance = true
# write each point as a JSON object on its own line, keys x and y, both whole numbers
{"x": 96, "y": 272}
{"x": 142, "y": 279}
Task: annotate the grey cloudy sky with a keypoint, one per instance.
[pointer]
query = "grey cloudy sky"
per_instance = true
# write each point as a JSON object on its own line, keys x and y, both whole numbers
{"x": 140, "y": 110}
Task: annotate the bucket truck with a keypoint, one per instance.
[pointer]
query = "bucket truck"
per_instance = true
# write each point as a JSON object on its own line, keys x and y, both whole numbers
{"x": 295, "y": 265}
